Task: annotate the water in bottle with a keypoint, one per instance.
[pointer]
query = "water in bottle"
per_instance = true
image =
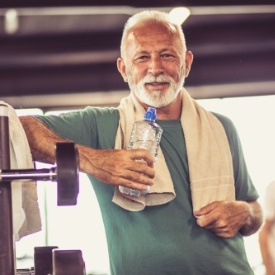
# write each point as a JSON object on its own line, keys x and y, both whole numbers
{"x": 146, "y": 134}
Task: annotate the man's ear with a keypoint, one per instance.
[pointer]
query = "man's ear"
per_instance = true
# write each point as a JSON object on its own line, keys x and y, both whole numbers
{"x": 188, "y": 62}
{"x": 122, "y": 68}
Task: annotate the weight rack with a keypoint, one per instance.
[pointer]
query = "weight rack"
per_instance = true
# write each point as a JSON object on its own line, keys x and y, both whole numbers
{"x": 66, "y": 175}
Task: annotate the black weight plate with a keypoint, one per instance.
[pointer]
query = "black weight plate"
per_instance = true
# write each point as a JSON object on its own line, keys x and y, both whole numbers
{"x": 67, "y": 169}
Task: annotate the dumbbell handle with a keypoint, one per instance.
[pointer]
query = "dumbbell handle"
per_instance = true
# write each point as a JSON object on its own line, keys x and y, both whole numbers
{"x": 29, "y": 174}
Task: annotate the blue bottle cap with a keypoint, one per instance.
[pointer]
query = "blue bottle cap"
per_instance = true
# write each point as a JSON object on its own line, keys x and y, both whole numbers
{"x": 151, "y": 114}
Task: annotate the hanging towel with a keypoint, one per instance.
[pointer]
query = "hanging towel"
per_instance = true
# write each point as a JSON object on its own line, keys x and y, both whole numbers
{"x": 208, "y": 153}
{"x": 25, "y": 208}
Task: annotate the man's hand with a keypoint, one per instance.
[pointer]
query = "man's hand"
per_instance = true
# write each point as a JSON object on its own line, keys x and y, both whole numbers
{"x": 225, "y": 219}
{"x": 118, "y": 167}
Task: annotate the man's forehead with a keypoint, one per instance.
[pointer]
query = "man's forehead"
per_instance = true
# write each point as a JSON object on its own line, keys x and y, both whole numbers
{"x": 153, "y": 28}
{"x": 143, "y": 34}
{"x": 157, "y": 38}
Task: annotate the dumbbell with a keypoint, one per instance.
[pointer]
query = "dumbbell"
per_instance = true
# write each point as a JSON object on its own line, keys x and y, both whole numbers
{"x": 65, "y": 173}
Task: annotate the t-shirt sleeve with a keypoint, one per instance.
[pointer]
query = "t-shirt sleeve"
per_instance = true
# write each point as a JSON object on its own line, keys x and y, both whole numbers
{"x": 245, "y": 190}
{"x": 270, "y": 201}
{"x": 86, "y": 127}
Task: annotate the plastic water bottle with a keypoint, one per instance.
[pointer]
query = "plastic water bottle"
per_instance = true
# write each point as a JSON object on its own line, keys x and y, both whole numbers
{"x": 146, "y": 134}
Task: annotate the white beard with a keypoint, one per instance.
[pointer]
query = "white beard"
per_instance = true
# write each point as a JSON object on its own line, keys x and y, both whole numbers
{"x": 156, "y": 99}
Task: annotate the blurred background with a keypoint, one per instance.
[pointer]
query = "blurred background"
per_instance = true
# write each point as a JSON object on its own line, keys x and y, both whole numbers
{"x": 59, "y": 55}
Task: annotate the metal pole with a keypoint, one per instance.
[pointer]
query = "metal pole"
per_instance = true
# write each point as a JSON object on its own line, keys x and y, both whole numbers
{"x": 7, "y": 247}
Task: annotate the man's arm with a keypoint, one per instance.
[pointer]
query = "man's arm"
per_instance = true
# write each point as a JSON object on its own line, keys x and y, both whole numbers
{"x": 115, "y": 167}
{"x": 264, "y": 245}
{"x": 225, "y": 219}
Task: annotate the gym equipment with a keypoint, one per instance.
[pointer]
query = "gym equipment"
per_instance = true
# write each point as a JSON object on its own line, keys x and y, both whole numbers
{"x": 65, "y": 173}
{"x": 7, "y": 247}
{"x": 43, "y": 259}
{"x": 68, "y": 262}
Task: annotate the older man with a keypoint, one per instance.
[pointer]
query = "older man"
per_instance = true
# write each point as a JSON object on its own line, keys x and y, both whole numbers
{"x": 201, "y": 201}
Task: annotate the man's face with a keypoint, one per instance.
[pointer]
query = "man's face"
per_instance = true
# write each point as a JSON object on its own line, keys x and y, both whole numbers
{"x": 155, "y": 65}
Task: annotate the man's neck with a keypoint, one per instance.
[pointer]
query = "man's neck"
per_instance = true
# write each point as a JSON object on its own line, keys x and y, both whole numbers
{"x": 169, "y": 112}
{"x": 172, "y": 111}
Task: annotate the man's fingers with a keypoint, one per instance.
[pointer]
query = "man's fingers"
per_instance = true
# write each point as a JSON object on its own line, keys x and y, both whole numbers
{"x": 136, "y": 175}
{"x": 143, "y": 169}
{"x": 130, "y": 168}
{"x": 137, "y": 171}
{"x": 206, "y": 220}
{"x": 143, "y": 156}
{"x": 206, "y": 209}
{"x": 133, "y": 184}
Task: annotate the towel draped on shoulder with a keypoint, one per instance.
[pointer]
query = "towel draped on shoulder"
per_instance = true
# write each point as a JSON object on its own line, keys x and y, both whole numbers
{"x": 208, "y": 153}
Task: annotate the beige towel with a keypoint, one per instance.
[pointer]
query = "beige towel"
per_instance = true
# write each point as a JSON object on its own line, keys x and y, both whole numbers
{"x": 25, "y": 208}
{"x": 208, "y": 153}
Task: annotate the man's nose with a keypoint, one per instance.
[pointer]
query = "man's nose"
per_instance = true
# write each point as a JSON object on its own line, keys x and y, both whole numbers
{"x": 156, "y": 66}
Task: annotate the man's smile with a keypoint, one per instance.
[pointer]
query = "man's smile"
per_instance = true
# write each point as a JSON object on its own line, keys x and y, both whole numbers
{"x": 157, "y": 85}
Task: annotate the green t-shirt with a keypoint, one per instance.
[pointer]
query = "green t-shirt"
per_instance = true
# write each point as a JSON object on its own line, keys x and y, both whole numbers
{"x": 160, "y": 240}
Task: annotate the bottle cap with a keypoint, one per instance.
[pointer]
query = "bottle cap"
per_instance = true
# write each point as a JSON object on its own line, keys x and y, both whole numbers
{"x": 151, "y": 114}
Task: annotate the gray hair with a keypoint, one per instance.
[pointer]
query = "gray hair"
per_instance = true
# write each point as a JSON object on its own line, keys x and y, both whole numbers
{"x": 149, "y": 16}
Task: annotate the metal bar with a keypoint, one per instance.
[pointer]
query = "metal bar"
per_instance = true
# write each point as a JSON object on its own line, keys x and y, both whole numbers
{"x": 28, "y": 174}
{"x": 7, "y": 246}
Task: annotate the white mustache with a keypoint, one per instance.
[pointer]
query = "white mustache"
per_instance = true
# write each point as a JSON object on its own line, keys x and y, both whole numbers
{"x": 156, "y": 79}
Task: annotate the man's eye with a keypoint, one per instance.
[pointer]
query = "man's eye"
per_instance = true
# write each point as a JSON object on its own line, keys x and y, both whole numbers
{"x": 142, "y": 58}
{"x": 167, "y": 56}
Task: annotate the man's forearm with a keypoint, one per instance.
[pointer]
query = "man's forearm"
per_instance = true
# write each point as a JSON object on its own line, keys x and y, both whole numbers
{"x": 42, "y": 140}
{"x": 254, "y": 220}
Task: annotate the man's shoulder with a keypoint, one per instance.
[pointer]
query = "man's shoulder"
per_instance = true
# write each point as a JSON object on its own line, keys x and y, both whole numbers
{"x": 100, "y": 114}
{"x": 225, "y": 121}
{"x": 103, "y": 117}
{"x": 229, "y": 128}
{"x": 101, "y": 111}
